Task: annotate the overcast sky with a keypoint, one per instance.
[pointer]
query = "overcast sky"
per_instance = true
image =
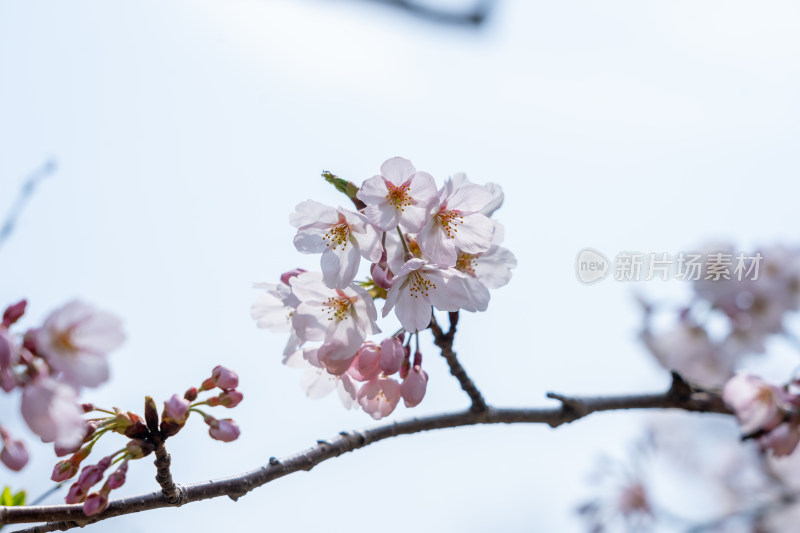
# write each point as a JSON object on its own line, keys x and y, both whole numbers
{"x": 186, "y": 131}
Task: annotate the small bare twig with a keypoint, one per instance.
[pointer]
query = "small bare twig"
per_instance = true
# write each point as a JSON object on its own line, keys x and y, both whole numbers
{"x": 473, "y": 17}
{"x": 24, "y": 195}
{"x": 445, "y": 343}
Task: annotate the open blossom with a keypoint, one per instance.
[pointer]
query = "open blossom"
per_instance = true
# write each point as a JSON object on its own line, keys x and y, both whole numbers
{"x": 75, "y": 341}
{"x": 342, "y": 318}
{"x": 275, "y": 308}
{"x": 13, "y": 454}
{"x": 456, "y": 223}
{"x": 379, "y": 397}
{"x": 51, "y": 410}
{"x": 755, "y": 402}
{"x": 782, "y": 440}
{"x": 420, "y": 285}
{"x": 342, "y": 237}
{"x": 398, "y": 196}
{"x": 317, "y": 382}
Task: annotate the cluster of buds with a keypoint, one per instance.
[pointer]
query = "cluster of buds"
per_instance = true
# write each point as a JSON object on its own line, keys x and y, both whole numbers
{"x": 145, "y": 434}
{"x": 766, "y": 412}
{"x": 50, "y": 365}
{"x": 426, "y": 248}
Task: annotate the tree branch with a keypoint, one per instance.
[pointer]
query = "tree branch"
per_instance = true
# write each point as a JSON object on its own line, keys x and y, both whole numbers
{"x": 25, "y": 194}
{"x": 64, "y": 517}
{"x": 474, "y": 17}
{"x": 445, "y": 343}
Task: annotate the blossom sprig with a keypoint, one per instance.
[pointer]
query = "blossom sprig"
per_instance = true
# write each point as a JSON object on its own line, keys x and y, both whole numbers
{"x": 50, "y": 365}
{"x": 145, "y": 435}
{"x": 426, "y": 248}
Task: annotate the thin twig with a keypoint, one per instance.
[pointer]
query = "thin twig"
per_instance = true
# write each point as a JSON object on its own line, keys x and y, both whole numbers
{"x": 474, "y": 17}
{"x": 25, "y": 194}
{"x": 65, "y": 517}
{"x": 445, "y": 343}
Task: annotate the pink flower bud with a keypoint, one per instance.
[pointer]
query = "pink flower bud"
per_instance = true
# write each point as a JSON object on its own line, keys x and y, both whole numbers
{"x": 176, "y": 408}
{"x": 96, "y": 503}
{"x": 8, "y": 352}
{"x": 224, "y": 378}
{"x": 117, "y": 478}
{"x": 225, "y": 430}
{"x": 381, "y": 274}
{"x": 64, "y": 470}
{"x": 138, "y": 448}
{"x": 379, "y": 397}
{"x": 14, "y": 455}
{"x": 90, "y": 476}
{"x": 230, "y": 398}
{"x": 392, "y": 353}
{"x": 191, "y": 394}
{"x": 414, "y": 386}
{"x": 286, "y": 276}
{"x": 366, "y": 365}
{"x": 14, "y": 312}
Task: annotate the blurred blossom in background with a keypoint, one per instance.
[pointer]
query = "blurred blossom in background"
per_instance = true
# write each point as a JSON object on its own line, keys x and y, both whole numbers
{"x": 186, "y": 131}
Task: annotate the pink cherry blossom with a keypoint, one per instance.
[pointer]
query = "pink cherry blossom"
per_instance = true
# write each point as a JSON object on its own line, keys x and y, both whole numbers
{"x": 379, "y": 397}
{"x": 75, "y": 341}
{"x": 274, "y": 309}
{"x": 317, "y": 380}
{"x": 14, "y": 312}
{"x": 755, "y": 402}
{"x": 176, "y": 408}
{"x": 342, "y": 236}
{"x": 414, "y": 386}
{"x": 456, "y": 223}
{"x": 420, "y": 285}
{"x": 225, "y": 430}
{"x": 51, "y": 410}
{"x": 342, "y": 318}
{"x": 366, "y": 365}
{"x": 14, "y": 454}
{"x": 782, "y": 440}
{"x": 398, "y": 196}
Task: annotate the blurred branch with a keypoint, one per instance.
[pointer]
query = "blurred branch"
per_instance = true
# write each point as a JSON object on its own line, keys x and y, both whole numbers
{"x": 473, "y": 17}
{"x": 64, "y": 517}
{"x": 24, "y": 195}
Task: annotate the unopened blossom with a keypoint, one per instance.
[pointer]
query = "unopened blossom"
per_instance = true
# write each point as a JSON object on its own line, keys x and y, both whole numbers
{"x": 95, "y": 503}
{"x": 224, "y": 378}
{"x": 9, "y": 357}
{"x": 755, "y": 402}
{"x": 117, "y": 478}
{"x": 398, "y": 196}
{"x": 90, "y": 476}
{"x": 225, "y": 430}
{"x": 14, "y": 312}
{"x": 342, "y": 236}
{"x": 13, "y": 454}
{"x": 176, "y": 408}
{"x": 782, "y": 440}
{"x": 76, "y": 339}
{"x": 456, "y": 224}
{"x": 50, "y": 409}
{"x": 228, "y": 398}
{"x": 392, "y": 354}
{"x": 414, "y": 386}
{"x": 420, "y": 285}
{"x": 379, "y": 397}
{"x": 69, "y": 467}
{"x": 366, "y": 365}
{"x": 342, "y": 317}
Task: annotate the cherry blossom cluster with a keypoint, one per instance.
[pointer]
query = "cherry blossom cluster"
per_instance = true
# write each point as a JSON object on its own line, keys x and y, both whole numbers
{"x": 145, "y": 435}
{"x": 766, "y": 412}
{"x": 50, "y": 365}
{"x": 426, "y": 248}
{"x": 727, "y": 319}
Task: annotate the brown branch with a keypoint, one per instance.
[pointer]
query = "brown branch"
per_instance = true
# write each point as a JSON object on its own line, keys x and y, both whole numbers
{"x": 445, "y": 343}
{"x": 63, "y": 517}
{"x": 172, "y": 494}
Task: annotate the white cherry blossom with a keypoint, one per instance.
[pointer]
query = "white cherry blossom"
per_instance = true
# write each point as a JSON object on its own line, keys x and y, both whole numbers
{"x": 342, "y": 237}
{"x": 342, "y": 318}
{"x": 398, "y": 196}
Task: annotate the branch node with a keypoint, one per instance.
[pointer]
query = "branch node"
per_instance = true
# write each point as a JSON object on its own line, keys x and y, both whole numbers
{"x": 274, "y": 461}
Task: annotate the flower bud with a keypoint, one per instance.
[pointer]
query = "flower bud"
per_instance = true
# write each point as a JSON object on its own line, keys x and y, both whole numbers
{"x": 151, "y": 414}
{"x": 228, "y": 398}
{"x": 14, "y": 312}
{"x": 191, "y": 394}
{"x": 90, "y": 476}
{"x": 224, "y": 378}
{"x": 117, "y": 478}
{"x": 138, "y": 448}
{"x": 14, "y": 455}
{"x": 414, "y": 386}
{"x": 286, "y": 276}
{"x": 225, "y": 430}
{"x": 392, "y": 353}
{"x": 176, "y": 408}
{"x": 96, "y": 503}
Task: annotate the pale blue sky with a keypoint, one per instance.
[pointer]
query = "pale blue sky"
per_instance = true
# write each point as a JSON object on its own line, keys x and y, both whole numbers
{"x": 185, "y": 132}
